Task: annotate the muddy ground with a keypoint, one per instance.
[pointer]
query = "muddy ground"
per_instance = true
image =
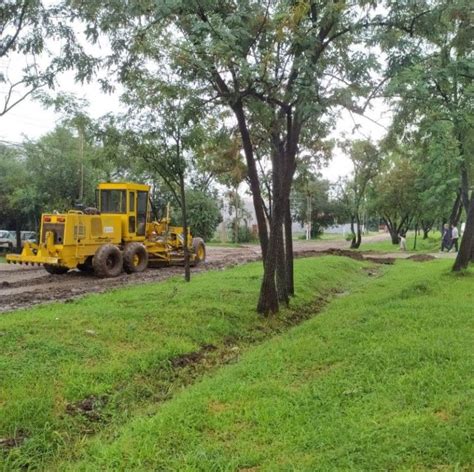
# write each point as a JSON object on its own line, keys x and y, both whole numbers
{"x": 24, "y": 286}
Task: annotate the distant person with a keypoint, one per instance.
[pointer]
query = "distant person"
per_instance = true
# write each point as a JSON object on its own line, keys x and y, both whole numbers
{"x": 454, "y": 238}
{"x": 403, "y": 241}
{"x": 446, "y": 238}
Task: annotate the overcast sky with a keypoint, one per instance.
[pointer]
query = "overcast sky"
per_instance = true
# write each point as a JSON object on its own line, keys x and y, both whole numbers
{"x": 29, "y": 119}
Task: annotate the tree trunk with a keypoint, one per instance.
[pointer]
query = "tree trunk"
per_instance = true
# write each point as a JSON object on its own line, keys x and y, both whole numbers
{"x": 464, "y": 186}
{"x": 281, "y": 275}
{"x": 392, "y": 230}
{"x": 187, "y": 268}
{"x": 465, "y": 253}
{"x": 289, "y": 251}
{"x": 268, "y": 299}
{"x": 456, "y": 210}
{"x": 353, "y": 240}
{"x": 358, "y": 240}
{"x": 416, "y": 236}
{"x": 253, "y": 178}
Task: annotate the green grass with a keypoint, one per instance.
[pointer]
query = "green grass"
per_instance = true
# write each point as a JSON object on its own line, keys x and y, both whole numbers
{"x": 381, "y": 380}
{"x": 117, "y": 349}
{"x": 432, "y": 244}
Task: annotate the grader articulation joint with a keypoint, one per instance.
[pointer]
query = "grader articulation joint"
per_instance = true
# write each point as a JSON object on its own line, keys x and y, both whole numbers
{"x": 117, "y": 236}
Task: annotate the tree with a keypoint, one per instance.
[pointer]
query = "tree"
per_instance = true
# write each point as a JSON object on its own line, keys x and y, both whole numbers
{"x": 60, "y": 168}
{"x": 203, "y": 213}
{"x": 311, "y": 204}
{"x": 394, "y": 196}
{"x": 366, "y": 161}
{"x": 165, "y": 132}
{"x": 466, "y": 250}
{"x": 15, "y": 211}
{"x": 431, "y": 72}
{"x": 281, "y": 68}
{"x": 41, "y": 32}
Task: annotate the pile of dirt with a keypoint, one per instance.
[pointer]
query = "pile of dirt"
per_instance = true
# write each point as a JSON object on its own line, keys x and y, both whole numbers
{"x": 421, "y": 257}
{"x": 89, "y": 407}
{"x": 381, "y": 260}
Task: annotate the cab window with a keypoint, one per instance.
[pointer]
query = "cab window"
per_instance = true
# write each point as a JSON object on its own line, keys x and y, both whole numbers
{"x": 113, "y": 201}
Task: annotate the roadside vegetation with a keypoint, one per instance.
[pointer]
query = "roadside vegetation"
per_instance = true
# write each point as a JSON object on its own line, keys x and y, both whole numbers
{"x": 379, "y": 381}
{"x": 430, "y": 245}
{"x": 70, "y": 370}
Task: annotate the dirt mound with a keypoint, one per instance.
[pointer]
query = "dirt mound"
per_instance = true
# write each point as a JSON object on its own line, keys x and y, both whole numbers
{"x": 345, "y": 253}
{"x": 381, "y": 260}
{"x": 421, "y": 257}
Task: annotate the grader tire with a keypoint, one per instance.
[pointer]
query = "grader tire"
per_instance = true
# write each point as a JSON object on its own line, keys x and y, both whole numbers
{"x": 107, "y": 261}
{"x": 199, "y": 249}
{"x": 55, "y": 270}
{"x": 135, "y": 258}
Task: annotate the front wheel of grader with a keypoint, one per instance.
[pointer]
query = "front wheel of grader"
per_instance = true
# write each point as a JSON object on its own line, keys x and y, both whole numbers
{"x": 199, "y": 249}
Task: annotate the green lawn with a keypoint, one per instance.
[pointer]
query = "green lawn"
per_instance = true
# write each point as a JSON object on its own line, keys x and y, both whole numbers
{"x": 381, "y": 380}
{"x": 432, "y": 244}
{"x": 120, "y": 354}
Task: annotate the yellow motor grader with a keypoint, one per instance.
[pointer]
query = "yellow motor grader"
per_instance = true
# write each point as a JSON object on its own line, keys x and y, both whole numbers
{"x": 119, "y": 235}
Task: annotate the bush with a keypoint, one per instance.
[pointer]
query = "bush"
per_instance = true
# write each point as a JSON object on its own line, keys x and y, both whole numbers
{"x": 203, "y": 214}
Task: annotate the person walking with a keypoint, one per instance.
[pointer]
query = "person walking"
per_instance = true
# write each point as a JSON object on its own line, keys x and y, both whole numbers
{"x": 446, "y": 238}
{"x": 454, "y": 238}
{"x": 403, "y": 241}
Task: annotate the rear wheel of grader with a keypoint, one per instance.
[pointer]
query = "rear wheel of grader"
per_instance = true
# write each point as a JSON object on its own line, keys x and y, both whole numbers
{"x": 199, "y": 249}
{"x": 135, "y": 258}
{"x": 107, "y": 261}
{"x": 55, "y": 270}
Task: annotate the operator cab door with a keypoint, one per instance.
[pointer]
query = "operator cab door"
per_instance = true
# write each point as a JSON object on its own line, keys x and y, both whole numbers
{"x": 142, "y": 201}
{"x": 132, "y": 212}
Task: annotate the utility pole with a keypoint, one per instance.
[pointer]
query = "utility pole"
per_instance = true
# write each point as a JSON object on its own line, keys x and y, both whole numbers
{"x": 81, "y": 161}
{"x": 308, "y": 217}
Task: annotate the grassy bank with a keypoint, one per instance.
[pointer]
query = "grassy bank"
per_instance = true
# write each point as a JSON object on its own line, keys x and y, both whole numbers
{"x": 69, "y": 371}
{"x": 432, "y": 244}
{"x": 382, "y": 380}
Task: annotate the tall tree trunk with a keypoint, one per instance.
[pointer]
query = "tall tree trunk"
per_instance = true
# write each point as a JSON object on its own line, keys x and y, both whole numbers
{"x": 187, "y": 267}
{"x": 416, "y": 236}
{"x": 353, "y": 240}
{"x": 464, "y": 186}
{"x": 358, "y": 240}
{"x": 457, "y": 209}
{"x": 289, "y": 251}
{"x": 268, "y": 299}
{"x": 392, "y": 230}
{"x": 281, "y": 275}
{"x": 253, "y": 178}
{"x": 465, "y": 253}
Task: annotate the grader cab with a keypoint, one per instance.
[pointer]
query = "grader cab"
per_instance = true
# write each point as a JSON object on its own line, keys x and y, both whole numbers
{"x": 119, "y": 235}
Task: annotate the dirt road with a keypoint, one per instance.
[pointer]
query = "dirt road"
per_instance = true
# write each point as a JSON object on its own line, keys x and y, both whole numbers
{"x": 22, "y": 286}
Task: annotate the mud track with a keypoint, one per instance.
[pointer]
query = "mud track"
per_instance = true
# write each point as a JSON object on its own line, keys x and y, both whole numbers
{"x": 24, "y": 286}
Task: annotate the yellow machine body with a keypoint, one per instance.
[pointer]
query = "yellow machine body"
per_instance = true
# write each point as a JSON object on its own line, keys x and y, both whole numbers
{"x": 122, "y": 217}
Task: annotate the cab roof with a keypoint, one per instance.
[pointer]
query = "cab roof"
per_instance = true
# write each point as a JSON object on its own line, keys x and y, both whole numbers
{"x": 123, "y": 186}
